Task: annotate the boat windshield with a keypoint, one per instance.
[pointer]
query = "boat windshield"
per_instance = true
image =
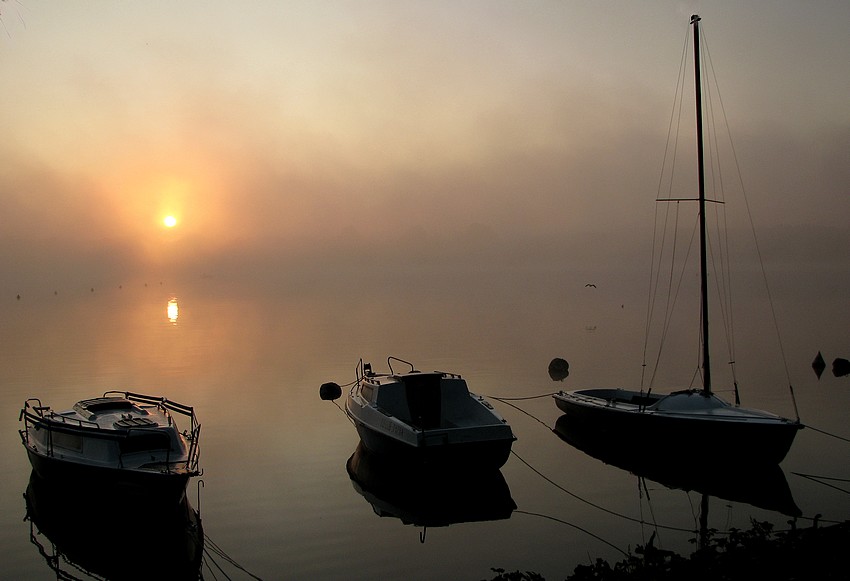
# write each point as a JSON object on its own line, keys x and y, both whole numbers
{"x": 144, "y": 442}
{"x": 103, "y": 404}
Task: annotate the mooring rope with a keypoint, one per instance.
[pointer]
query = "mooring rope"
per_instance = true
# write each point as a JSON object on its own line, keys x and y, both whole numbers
{"x": 522, "y": 398}
{"x": 820, "y": 480}
{"x": 210, "y": 544}
{"x": 594, "y": 505}
{"x": 508, "y": 400}
{"x": 575, "y": 526}
{"x": 827, "y": 433}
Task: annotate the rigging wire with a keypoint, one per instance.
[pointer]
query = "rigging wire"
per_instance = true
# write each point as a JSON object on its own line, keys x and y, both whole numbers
{"x": 717, "y": 246}
{"x": 723, "y": 278}
{"x": 749, "y": 214}
{"x": 653, "y": 274}
{"x": 673, "y": 294}
{"x": 642, "y": 482}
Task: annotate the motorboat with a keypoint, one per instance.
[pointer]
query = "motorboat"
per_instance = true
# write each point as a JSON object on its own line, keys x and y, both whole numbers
{"x": 694, "y": 422}
{"x": 429, "y": 417}
{"x": 122, "y": 440}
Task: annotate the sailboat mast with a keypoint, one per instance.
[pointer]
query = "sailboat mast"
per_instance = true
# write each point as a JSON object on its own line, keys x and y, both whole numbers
{"x": 703, "y": 260}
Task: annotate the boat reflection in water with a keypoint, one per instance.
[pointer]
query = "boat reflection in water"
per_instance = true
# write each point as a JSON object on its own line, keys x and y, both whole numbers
{"x": 86, "y": 534}
{"x": 762, "y": 486}
{"x": 429, "y": 497}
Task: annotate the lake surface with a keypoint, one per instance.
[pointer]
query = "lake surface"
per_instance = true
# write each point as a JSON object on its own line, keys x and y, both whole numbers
{"x": 276, "y": 496}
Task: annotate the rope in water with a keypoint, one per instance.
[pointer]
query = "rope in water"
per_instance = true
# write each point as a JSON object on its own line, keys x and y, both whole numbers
{"x": 211, "y": 546}
{"x": 820, "y": 480}
{"x": 825, "y": 433}
{"x": 575, "y": 526}
{"x": 597, "y": 506}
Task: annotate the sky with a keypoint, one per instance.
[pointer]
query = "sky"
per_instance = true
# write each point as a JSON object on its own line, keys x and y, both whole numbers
{"x": 322, "y": 134}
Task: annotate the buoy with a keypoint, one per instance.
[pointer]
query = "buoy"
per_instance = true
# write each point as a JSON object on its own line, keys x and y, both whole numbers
{"x": 840, "y": 367}
{"x": 559, "y": 369}
{"x": 330, "y": 391}
{"x": 818, "y": 364}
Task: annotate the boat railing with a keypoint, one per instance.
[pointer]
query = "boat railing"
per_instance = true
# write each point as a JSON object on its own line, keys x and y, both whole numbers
{"x": 192, "y": 434}
{"x": 390, "y": 360}
{"x": 34, "y": 413}
{"x": 194, "y": 449}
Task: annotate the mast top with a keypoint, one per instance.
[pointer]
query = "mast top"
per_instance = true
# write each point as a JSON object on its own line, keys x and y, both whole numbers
{"x": 695, "y": 18}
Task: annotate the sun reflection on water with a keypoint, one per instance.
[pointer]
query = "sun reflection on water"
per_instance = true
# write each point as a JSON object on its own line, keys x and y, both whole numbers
{"x": 172, "y": 311}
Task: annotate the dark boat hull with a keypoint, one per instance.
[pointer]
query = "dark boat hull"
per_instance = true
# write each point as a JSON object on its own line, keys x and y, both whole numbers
{"x": 109, "y": 536}
{"x": 426, "y": 496}
{"x": 474, "y": 455}
{"x": 147, "y": 486}
{"x": 760, "y": 485}
{"x": 709, "y": 437}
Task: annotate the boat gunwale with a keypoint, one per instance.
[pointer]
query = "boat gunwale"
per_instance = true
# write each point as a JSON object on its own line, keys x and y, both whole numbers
{"x": 418, "y": 431}
{"x": 739, "y": 415}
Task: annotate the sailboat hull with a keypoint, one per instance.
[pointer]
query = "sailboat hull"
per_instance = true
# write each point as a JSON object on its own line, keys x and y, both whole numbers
{"x": 676, "y": 424}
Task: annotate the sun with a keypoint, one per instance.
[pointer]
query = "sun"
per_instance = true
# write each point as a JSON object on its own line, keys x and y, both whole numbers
{"x": 169, "y": 221}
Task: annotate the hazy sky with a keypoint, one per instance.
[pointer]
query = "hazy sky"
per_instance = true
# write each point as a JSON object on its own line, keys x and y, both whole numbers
{"x": 289, "y": 132}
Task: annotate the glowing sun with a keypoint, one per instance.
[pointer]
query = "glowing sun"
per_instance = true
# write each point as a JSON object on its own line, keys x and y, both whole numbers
{"x": 169, "y": 221}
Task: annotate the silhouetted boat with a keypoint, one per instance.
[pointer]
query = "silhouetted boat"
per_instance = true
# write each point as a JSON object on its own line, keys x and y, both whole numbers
{"x": 79, "y": 530}
{"x": 122, "y": 440}
{"x": 760, "y": 485}
{"x": 426, "y": 496}
{"x": 427, "y": 417}
{"x": 677, "y": 422}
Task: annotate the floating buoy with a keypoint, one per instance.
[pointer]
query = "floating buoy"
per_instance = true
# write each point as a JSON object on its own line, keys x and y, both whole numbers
{"x": 840, "y": 367}
{"x": 330, "y": 391}
{"x": 559, "y": 369}
{"x": 818, "y": 364}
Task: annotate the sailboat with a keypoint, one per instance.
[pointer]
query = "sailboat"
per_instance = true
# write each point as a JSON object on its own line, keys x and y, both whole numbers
{"x": 672, "y": 423}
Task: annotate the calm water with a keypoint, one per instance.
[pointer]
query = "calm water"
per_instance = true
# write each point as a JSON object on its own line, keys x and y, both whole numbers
{"x": 276, "y": 495}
